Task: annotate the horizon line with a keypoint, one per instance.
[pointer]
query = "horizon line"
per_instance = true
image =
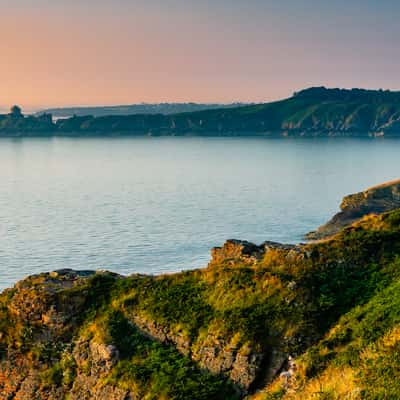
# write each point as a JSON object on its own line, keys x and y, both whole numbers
{"x": 35, "y": 109}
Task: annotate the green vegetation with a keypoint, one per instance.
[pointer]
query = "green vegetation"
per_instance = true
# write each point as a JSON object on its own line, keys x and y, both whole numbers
{"x": 5, "y": 321}
{"x": 169, "y": 300}
{"x": 359, "y": 357}
{"x": 62, "y": 373}
{"x": 216, "y": 333}
{"x": 158, "y": 371}
{"x": 311, "y": 112}
{"x": 15, "y": 124}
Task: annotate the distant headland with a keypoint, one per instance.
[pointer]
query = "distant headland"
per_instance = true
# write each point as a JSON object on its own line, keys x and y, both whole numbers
{"x": 141, "y": 108}
{"x": 313, "y": 112}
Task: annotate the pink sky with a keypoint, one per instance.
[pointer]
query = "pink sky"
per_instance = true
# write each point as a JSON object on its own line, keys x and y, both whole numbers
{"x": 76, "y": 53}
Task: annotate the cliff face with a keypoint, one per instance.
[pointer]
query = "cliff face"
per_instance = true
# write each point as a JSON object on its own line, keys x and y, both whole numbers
{"x": 312, "y": 112}
{"x": 41, "y": 353}
{"x": 309, "y": 113}
{"x": 270, "y": 317}
{"x": 375, "y": 200}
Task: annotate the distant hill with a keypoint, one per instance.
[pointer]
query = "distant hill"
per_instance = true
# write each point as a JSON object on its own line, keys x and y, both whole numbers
{"x": 311, "y": 112}
{"x": 314, "y": 112}
{"x": 143, "y": 108}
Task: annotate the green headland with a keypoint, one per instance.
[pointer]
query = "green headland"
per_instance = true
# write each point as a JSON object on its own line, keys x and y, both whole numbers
{"x": 270, "y": 321}
{"x": 313, "y": 112}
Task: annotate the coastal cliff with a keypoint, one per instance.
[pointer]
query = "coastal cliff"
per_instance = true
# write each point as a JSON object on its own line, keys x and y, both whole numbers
{"x": 313, "y": 112}
{"x": 267, "y": 321}
{"x": 375, "y": 200}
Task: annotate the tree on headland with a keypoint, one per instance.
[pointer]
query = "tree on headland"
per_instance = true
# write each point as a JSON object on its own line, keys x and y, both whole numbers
{"x": 16, "y": 111}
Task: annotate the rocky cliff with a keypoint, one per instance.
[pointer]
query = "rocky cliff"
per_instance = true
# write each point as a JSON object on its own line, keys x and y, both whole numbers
{"x": 375, "y": 200}
{"x": 314, "y": 112}
{"x": 264, "y": 321}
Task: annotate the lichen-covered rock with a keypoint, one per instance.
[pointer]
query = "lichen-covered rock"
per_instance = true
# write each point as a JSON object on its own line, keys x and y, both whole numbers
{"x": 240, "y": 362}
{"x": 242, "y": 252}
{"x": 94, "y": 362}
{"x": 236, "y": 250}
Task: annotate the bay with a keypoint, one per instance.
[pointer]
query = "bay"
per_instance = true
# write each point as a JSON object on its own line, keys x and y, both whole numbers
{"x": 156, "y": 205}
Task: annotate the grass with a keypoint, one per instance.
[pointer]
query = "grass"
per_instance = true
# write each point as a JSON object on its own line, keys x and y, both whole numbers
{"x": 335, "y": 304}
{"x": 158, "y": 371}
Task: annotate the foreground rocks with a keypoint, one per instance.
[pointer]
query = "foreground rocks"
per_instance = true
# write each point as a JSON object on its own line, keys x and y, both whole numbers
{"x": 240, "y": 251}
{"x": 375, "y": 200}
{"x": 44, "y": 353}
{"x": 44, "y": 313}
{"x": 51, "y": 343}
{"x": 222, "y": 332}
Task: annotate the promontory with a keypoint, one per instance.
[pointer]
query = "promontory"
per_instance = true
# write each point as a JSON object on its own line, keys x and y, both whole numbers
{"x": 313, "y": 112}
{"x": 269, "y": 321}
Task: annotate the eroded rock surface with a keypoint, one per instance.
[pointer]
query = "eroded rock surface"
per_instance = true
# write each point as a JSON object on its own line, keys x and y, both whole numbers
{"x": 218, "y": 333}
{"x": 375, "y": 200}
{"x": 240, "y": 251}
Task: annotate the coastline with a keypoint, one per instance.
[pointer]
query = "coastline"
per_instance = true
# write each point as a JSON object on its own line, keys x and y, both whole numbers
{"x": 234, "y": 329}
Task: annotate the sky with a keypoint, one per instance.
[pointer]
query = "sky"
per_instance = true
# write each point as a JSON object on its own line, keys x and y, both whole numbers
{"x": 103, "y": 52}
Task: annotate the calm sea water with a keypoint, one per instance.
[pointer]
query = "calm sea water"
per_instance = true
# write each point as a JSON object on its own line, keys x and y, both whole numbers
{"x": 154, "y": 205}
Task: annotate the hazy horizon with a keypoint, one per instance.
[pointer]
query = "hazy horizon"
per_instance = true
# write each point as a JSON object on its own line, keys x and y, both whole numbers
{"x": 61, "y": 54}
{"x": 6, "y": 109}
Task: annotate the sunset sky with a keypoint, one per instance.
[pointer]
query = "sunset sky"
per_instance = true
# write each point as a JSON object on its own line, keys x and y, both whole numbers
{"x": 103, "y": 52}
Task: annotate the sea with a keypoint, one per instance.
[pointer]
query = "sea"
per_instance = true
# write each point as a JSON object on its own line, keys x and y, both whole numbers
{"x": 158, "y": 205}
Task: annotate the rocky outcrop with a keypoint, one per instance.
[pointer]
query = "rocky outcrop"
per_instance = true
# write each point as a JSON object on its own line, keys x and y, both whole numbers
{"x": 242, "y": 252}
{"x": 80, "y": 378}
{"x": 94, "y": 361}
{"x": 240, "y": 363}
{"x": 42, "y": 360}
{"x": 163, "y": 334}
{"x": 375, "y": 200}
{"x": 47, "y": 311}
{"x": 48, "y": 308}
{"x": 218, "y": 333}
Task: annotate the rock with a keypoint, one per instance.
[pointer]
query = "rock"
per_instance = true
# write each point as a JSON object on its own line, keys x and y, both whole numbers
{"x": 242, "y": 252}
{"x": 103, "y": 356}
{"x": 157, "y": 331}
{"x": 375, "y": 200}
{"x": 245, "y": 368}
{"x": 268, "y": 245}
{"x": 235, "y": 250}
{"x": 70, "y": 273}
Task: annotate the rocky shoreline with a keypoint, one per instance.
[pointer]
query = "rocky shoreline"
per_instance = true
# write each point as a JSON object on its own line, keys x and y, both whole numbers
{"x": 375, "y": 200}
{"x": 248, "y": 325}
